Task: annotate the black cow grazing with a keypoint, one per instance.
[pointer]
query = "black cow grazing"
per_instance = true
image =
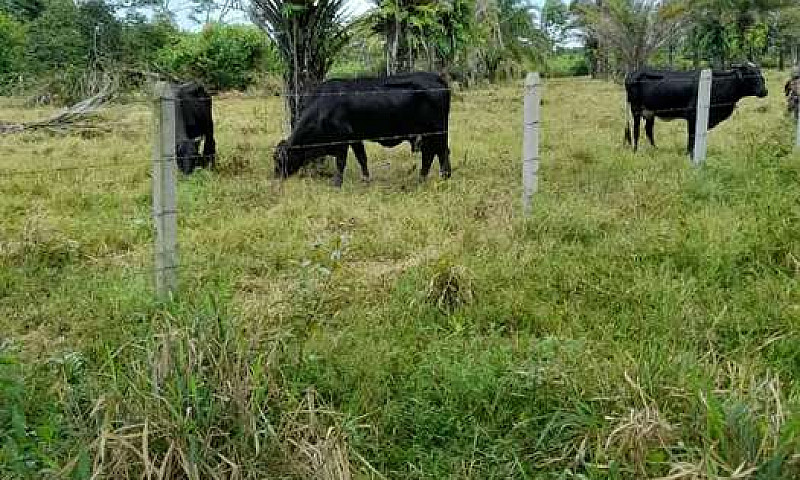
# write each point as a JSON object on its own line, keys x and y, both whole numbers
{"x": 194, "y": 122}
{"x": 413, "y": 107}
{"x": 669, "y": 95}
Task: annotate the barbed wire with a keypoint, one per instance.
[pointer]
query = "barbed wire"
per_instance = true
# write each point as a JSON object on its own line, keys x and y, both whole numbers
{"x": 412, "y": 137}
{"x": 689, "y": 77}
{"x": 72, "y": 168}
{"x": 680, "y": 77}
{"x": 675, "y": 77}
{"x": 201, "y": 266}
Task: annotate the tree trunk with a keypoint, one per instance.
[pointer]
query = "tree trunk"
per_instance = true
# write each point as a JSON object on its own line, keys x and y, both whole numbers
{"x": 781, "y": 59}
{"x": 302, "y": 77}
{"x": 592, "y": 57}
{"x": 671, "y": 55}
{"x": 605, "y": 64}
{"x": 410, "y": 56}
{"x": 395, "y": 47}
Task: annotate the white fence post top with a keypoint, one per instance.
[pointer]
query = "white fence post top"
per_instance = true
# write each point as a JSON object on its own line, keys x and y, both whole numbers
{"x": 532, "y": 79}
{"x": 164, "y": 89}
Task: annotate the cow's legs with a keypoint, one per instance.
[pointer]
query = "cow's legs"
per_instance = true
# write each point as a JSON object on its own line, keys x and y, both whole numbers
{"x": 341, "y": 162}
{"x": 197, "y": 160}
{"x": 427, "y": 161}
{"x": 210, "y": 151}
{"x": 443, "y": 153}
{"x": 186, "y": 152}
{"x": 648, "y": 129}
{"x": 637, "y": 116}
{"x": 690, "y": 124}
{"x": 361, "y": 156}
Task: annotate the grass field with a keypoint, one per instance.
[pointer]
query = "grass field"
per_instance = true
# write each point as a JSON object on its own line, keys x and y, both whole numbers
{"x": 643, "y": 323}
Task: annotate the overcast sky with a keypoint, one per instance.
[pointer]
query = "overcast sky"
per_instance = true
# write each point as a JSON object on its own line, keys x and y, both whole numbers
{"x": 356, "y": 7}
{"x": 183, "y": 13}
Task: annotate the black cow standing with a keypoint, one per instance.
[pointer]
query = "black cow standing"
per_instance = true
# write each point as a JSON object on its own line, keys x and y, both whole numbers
{"x": 669, "y": 95}
{"x": 194, "y": 122}
{"x": 341, "y": 114}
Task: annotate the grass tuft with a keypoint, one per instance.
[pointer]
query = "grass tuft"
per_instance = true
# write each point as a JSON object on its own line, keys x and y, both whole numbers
{"x": 450, "y": 287}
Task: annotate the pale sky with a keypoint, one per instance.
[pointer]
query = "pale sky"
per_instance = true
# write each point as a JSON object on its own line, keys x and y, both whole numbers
{"x": 356, "y": 7}
{"x": 183, "y": 13}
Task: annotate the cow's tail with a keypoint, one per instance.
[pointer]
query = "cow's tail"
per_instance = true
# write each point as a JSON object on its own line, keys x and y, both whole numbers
{"x": 626, "y": 107}
{"x": 210, "y": 147}
{"x": 628, "y": 112}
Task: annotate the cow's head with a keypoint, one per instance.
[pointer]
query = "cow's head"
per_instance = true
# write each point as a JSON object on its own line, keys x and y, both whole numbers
{"x": 752, "y": 80}
{"x": 287, "y": 160}
{"x": 187, "y": 153}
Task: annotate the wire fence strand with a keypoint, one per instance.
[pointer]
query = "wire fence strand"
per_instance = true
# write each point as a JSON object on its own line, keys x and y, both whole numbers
{"x": 72, "y": 168}
{"x": 685, "y": 77}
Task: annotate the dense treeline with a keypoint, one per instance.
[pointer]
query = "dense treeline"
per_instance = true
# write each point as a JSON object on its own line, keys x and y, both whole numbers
{"x": 620, "y": 35}
{"x": 60, "y": 47}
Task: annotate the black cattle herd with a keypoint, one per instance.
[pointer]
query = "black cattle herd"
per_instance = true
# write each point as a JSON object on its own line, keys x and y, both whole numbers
{"x": 415, "y": 107}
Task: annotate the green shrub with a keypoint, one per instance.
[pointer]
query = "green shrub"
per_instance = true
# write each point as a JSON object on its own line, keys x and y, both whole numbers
{"x": 567, "y": 65}
{"x": 12, "y": 37}
{"x": 221, "y": 57}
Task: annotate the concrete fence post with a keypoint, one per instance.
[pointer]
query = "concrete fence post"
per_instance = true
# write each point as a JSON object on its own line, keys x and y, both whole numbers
{"x": 530, "y": 140}
{"x": 701, "y": 125}
{"x": 797, "y": 126}
{"x": 165, "y": 214}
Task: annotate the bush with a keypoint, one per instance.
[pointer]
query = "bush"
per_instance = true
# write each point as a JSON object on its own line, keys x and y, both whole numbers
{"x": 143, "y": 40}
{"x": 221, "y": 57}
{"x": 12, "y": 37}
{"x": 69, "y": 36}
{"x": 567, "y": 65}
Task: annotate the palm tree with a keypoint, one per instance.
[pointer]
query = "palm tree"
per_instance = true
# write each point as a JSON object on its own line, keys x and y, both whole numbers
{"x": 309, "y": 35}
{"x": 437, "y": 30}
{"x": 522, "y": 42}
{"x": 786, "y": 22}
{"x": 633, "y": 29}
{"x": 391, "y": 20}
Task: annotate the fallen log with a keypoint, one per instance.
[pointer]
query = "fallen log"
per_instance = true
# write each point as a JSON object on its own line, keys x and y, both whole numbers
{"x": 73, "y": 118}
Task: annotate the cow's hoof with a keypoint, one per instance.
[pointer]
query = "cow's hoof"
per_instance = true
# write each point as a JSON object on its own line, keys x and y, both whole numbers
{"x": 444, "y": 175}
{"x": 337, "y": 182}
{"x": 366, "y": 178}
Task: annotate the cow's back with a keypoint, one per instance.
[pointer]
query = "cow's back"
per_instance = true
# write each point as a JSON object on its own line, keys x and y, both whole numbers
{"x": 194, "y": 106}
{"x": 375, "y": 107}
{"x": 669, "y": 93}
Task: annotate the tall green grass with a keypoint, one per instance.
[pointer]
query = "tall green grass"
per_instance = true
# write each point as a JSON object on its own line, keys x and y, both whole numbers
{"x": 641, "y": 324}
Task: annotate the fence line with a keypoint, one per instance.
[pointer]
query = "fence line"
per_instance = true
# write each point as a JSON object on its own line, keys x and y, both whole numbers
{"x": 99, "y": 166}
{"x": 164, "y": 169}
{"x": 352, "y": 93}
{"x": 544, "y": 84}
{"x": 685, "y": 80}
